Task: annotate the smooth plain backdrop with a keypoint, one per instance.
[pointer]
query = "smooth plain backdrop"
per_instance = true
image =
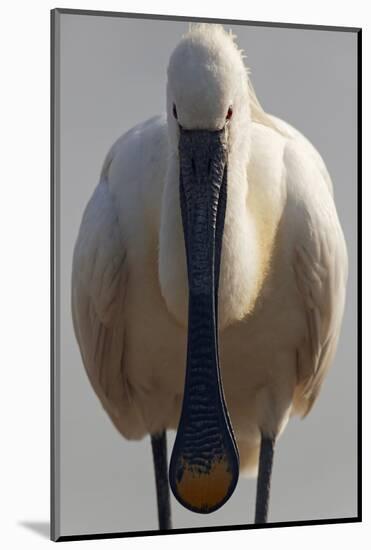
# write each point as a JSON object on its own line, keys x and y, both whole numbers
{"x": 24, "y": 230}
{"x": 112, "y": 75}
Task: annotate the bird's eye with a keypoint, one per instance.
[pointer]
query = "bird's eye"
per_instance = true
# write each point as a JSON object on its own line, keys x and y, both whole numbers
{"x": 229, "y": 114}
{"x": 174, "y": 112}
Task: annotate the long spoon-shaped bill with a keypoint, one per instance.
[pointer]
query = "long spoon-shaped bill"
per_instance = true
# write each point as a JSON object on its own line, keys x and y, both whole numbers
{"x": 204, "y": 464}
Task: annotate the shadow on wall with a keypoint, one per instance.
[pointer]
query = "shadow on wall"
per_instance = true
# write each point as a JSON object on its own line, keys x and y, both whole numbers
{"x": 42, "y": 528}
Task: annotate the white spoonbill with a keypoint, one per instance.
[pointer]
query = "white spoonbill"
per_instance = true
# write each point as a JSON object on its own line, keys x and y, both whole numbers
{"x": 209, "y": 279}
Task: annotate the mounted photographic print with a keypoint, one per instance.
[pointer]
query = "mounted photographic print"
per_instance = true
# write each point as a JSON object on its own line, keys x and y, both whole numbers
{"x": 205, "y": 186}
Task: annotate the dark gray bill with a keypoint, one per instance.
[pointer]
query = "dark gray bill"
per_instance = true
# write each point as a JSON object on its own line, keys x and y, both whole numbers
{"x": 204, "y": 465}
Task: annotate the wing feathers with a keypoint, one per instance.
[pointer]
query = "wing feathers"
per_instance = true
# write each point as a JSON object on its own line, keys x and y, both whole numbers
{"x": 320, "y": 267}
{"x": 99, "y": 283}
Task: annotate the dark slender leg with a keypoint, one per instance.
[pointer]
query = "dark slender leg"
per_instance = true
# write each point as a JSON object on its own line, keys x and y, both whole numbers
{"x": 264, "y": 479}
{"x": 159, "y": 450}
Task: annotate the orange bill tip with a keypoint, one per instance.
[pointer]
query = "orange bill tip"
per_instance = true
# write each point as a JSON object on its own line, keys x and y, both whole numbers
{"x": 204, "y": 489}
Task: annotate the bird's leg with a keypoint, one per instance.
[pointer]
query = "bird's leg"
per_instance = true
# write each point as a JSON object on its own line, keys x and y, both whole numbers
{"x": 159, "y": 451}
{"x": 264, "y": 478}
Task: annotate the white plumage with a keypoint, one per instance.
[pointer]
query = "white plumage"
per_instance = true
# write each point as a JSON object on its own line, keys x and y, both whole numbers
{"x": 283, "y": 269}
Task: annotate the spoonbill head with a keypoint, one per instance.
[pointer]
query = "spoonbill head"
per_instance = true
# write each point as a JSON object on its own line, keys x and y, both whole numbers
{"x": 209, "y": 279}
{"x": 207, "y": 81}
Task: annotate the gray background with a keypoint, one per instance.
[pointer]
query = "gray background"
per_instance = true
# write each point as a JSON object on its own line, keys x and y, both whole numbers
{"x": 112, "y": 75}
